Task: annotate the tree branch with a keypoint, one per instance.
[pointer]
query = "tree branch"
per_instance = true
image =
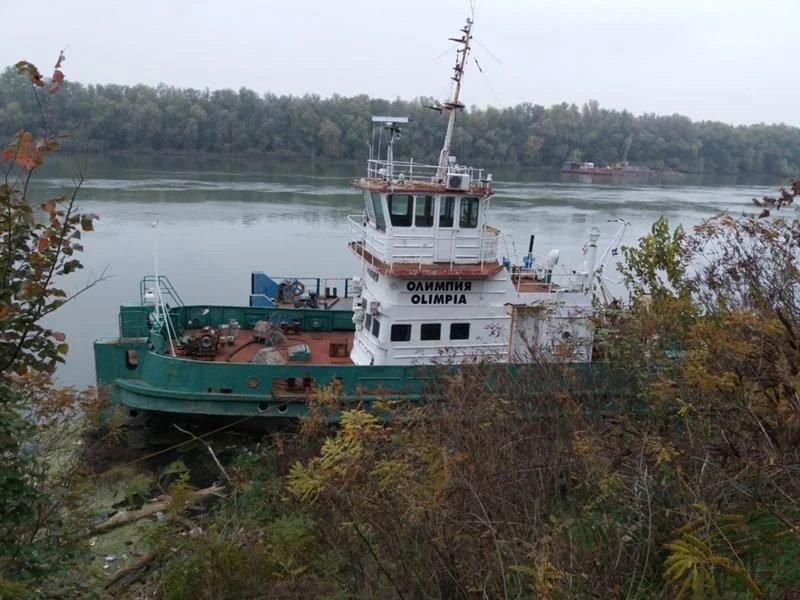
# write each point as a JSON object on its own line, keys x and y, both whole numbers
{"x": 124, "y": 517}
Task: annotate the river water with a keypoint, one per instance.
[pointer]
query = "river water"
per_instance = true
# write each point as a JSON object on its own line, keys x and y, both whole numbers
{"x": 218, "y": 220}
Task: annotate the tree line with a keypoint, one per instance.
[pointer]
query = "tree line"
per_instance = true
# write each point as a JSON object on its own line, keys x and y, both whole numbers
{"x": 140, "y": 118}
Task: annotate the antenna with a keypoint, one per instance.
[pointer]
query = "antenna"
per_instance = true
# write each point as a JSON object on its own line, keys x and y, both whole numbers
{"x": 612, "y": 245}
{"x": 454, "y": 104}
{"x": 392, "y": 124}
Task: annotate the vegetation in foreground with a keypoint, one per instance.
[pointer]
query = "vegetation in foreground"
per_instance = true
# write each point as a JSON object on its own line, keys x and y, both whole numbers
{"x": 103, "y": 118}
{"x": 685, "y": 484}
{"x": 41, "y": 466}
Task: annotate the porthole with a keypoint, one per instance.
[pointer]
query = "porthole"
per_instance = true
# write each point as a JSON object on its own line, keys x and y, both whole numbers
{"x": 253, "y": 383}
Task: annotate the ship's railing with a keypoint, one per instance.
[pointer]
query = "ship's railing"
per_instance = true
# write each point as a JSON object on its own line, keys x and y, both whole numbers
{"x": 411, "y": 247}
{"x": 399, "y": 171}
{"x": 373, "y": 242}
{"x": 425, "y": 246}
{"x": 490, "y": 242}
{"x": 264, "y": 289}
{"x": 161, "y": 285}
{"x": 550, "y": 278}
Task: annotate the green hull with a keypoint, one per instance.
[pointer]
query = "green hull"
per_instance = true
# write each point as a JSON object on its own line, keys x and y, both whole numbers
{"x": 142, "y": 376}
{"x": 164, "y": 383}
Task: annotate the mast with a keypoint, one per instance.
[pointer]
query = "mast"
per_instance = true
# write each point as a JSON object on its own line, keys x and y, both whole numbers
{"x": 455, "y": 103}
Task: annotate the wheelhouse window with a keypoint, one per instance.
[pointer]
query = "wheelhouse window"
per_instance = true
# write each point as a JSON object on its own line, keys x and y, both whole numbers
{"x": 469, "y": 213}
{"x": 447, "y": 207}
{"x": 368, "y": 322}
{"x": 376, "y": 327}
{"x": 423, "y": 211}
{"x": 401, "y": 333}
{"x": 380, "y": 219}
{"x": 369, "y": 207}
{"x": 401, "y": 208}
{"x": 430, "y": 331}
{"x": 459, "y": 331}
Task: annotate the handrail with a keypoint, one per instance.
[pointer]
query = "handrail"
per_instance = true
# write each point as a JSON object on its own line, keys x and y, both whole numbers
{"x": 400, "y": 171}
{"x": 420, "y": 245}
{"x": 149, "y": 283}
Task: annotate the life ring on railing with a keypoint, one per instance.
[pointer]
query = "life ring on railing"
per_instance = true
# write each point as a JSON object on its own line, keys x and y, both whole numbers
{"x": 298, "y": 287}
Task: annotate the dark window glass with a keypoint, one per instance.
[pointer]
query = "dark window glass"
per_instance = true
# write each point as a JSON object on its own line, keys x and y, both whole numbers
{"x": 380, "y": 219}
{"x": 459, "y": 331}
{"x": 430, "y": 331}
{"x": 376, "y": 327}
{"x": 400, "y": 209}
{"x": 423, "y": 215}
{"x": 469, "y": 213}
{"x": 446, "y": 209}
{"x": 368, "y": 322}
{"x": 401, "y": 333}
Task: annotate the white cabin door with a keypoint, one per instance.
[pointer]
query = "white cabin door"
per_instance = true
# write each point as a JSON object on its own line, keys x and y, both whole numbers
{"x": 445, "y": 229}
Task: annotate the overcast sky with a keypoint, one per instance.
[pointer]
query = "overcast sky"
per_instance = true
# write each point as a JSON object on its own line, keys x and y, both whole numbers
{"x": 734, "y": 61}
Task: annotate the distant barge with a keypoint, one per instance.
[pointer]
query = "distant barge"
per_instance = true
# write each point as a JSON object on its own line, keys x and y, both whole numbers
{"x": 589, "y": 168}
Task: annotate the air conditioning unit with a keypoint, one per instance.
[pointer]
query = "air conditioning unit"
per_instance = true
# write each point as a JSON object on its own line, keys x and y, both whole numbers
{"x": 458, "y": 181}
{"x": 375, "y": 308}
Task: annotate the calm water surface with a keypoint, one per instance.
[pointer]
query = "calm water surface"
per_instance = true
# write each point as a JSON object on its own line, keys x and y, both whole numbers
{"x": 220, "y": 220}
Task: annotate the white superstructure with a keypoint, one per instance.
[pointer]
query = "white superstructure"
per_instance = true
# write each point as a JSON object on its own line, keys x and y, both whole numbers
{"x": 434, "y": 287}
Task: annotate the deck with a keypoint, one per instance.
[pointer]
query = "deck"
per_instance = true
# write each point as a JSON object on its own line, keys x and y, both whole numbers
{"x": 525, "y": 285}
{"x": 325, "y": 347}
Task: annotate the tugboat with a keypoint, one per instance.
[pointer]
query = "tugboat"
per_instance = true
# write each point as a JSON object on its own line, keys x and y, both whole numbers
{"x": 434, "y": 292}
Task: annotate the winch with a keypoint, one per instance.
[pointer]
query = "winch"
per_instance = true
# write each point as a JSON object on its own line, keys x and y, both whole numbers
{"x": 203, "y": 343}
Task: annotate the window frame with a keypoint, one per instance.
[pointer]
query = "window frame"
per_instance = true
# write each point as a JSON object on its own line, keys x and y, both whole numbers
{"x": 400, "y": 219}
{"x": 370, "y": 209}
{"x": 428, "y": 214}
{"x": 447, "y": 204}
{"x": 467, "y": 216}
{"x": 380, "y": 216}
{"x": 459, "y": 325}
{"x": 397, "y": 328}
{"x": 427, "y": 337}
